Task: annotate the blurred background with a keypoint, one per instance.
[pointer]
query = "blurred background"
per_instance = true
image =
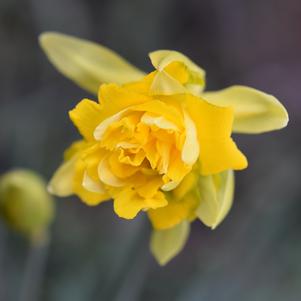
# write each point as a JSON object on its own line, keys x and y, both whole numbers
{"x": 255, "y": 254}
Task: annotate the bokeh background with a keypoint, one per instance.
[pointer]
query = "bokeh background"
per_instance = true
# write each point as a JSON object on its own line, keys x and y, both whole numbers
{"x": 255, "y": 255}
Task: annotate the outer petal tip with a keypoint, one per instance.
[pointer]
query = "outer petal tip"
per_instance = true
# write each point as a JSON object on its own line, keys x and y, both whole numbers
{"x": 166, "y": 244}
{"x": 255, "y": 112}
{"x": 87, "y": 63}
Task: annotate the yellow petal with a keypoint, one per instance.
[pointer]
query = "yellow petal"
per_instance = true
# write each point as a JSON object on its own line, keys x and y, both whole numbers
{"x": 179, "y": 71}
{"x": 92, "y": 185}
{"x": 165, "y": 84}
{"x": 128, "y": 203}
{"x": 158, "y": 121}
{"x": 163, "y": 149}
{"x": 106, "y": 175}
{"x": 161, "y": 109}
{"x": 114, "y": 99}
{"x": 134, "y": 159}
{"x": 187, "y": 184}
{"x": 120, "y": 96}
{"x": 218, "y": 152}
{"x": 170, "y": 185}
{"x": 174, "y": 213}
{"x": 161, "y": 59}
{"x": 61, "y": 183}
{"x": 103, "y": 126}
{"x": 217, "y": 155}
{"x": 86, "y": 116}
{"x": 191, "y": 148}
{"x": 87, "y": 196}
{"x": 149, "y": 186}
{"x": 216, "y": 197}
{"x": 177, "y": 169}
{"x": 254, "y": 111}
{"x": 166, "y": 244}
{"x": 119, "y": 169}
{"x": 87, "y": 63}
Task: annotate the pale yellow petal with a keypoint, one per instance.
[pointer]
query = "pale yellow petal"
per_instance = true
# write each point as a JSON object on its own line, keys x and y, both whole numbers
{"x": 254, "y": 111}
{"x": 191, "y": 147}
{"x": 87, "y": 196}
{"x": 61, "y": 183}
{"x": 92, "y": 185}
{"x": 161, "y": 59}
{"x": 87, "y": 63}
{"x": 103, "y": 126}
{"x": 160, "y": 108}
{"x": 158, "y": 121}
{"x": 216, "y": 197}
{"x": 165, "y": 84}
{"x": 106, "y": 175}
{"x": 224, "y": 183}
{"x": 166, "y": 244}
{"x": 170, "y": 185}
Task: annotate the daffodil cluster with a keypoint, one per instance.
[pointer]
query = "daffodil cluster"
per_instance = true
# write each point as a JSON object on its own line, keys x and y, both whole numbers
{"x": 156, "y": 142}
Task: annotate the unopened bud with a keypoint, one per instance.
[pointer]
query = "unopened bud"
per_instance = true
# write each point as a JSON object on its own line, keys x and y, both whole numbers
{"x": 25, "y": 204}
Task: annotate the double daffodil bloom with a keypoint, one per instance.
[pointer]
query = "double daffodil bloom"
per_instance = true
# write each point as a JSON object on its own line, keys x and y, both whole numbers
{"x": 155, "y": 142}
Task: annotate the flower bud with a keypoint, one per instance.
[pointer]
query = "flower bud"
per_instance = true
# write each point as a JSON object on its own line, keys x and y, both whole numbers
{"x": 25, "y": 204}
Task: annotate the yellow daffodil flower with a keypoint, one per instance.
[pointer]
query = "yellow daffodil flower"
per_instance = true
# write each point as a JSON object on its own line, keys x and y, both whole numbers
{"x": 155, "y": 142}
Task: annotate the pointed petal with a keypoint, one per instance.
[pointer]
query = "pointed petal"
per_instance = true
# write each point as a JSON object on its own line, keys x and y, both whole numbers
{"x": 216, "y": 197}
{"x": 166, "y": 244}
{"x": 254, "y": 111}
{"x": 87, "y": 63}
